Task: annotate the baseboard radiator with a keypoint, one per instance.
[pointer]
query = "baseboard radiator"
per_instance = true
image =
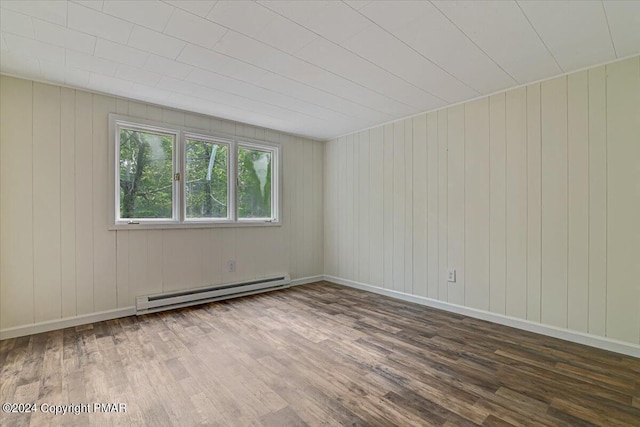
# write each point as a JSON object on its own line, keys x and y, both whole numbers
{"x": 167, "y": 301}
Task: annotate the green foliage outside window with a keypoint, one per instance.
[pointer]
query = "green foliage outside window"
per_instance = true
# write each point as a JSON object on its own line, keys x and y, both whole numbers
{"x": 254, "y": 183}
{"x": 146, "y": 174}
{"x": 206, "y": 187}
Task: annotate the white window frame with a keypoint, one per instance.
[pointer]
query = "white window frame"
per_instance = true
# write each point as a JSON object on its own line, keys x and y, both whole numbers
{"x": 179, "y": 218}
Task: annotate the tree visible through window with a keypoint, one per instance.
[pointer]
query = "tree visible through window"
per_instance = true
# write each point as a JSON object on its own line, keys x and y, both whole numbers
{"x": 254, "y": 183}
{"x": 206, "y": 179}
{"x": 146, "y": 174}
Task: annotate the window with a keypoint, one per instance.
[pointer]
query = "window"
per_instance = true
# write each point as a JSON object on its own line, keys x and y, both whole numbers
{"x": 168, "y": 176}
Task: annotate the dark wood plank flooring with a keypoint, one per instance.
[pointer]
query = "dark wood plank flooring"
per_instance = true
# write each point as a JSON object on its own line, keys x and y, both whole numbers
{"x": 317, "y": 354}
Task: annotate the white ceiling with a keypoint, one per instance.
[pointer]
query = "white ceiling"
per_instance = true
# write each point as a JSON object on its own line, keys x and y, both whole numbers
{"x": 319, "y": 69}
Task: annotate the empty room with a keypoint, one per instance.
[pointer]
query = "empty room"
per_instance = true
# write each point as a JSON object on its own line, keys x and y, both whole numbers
{"x": 319, "y": 213}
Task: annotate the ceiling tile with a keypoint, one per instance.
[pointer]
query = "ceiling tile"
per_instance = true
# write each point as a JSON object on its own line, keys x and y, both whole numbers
{"x": 137, "y": 75}
{"x": 93, "y": 4}
{"x": 333, "y": 20}
{"x": 285, "y": 35}
{"x": 199, "y": 31}
{"x": 576, "y": 32}
{"x": 254, "y": 52}
{"x": 624, "y": 21}
{"x": 64, "y": 37}
{"x": 149, "y": 93}
{"x": 110, "y": 85}
{"x": 148, "y": 13}
{"x": 358, "y": 4}
{"x": 227, "y": 84}
{"x": 307, "y": 93}
{"x": 178, "y": 86}
{"x": 197, "y": 7}
{"x": 383, "y": 49}
{"x": 167, "y": 67}
{"x": 154, "y": 42}
{"x": 63, "y": 74}
{"x": 98, "y": 24}
{"x": 34, "y": 48}
{"x": 16, "y": 23}
{"x": 342, "y": 62}
{"x": 421, "y": 26}
{"x": 502, "y": 31}
{"x": 318, "y": 68}
{"x": 246, "y": 17}
{"x": 51, "y": 11}
{"x": 19, "y": 65}
{"x": 219, "y": 63}
{"x": 90, "y": 63}
{"x": 120, "y": 53}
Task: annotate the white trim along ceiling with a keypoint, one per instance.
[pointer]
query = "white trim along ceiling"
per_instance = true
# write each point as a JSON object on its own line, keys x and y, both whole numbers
{"x": 313, "y": 68}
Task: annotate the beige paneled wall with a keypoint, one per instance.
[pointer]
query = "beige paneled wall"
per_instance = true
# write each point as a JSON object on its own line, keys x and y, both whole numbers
{"x": 57, "y": 258}
{"x": 532, "y": 195}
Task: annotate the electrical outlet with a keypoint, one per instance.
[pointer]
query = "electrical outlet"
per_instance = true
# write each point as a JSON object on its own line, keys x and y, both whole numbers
{"x": 451, "y": 275}
{"x": 231, "y": 266}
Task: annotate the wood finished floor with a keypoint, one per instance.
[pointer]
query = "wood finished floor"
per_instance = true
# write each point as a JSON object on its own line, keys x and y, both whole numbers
{"x": 317, "y": 354}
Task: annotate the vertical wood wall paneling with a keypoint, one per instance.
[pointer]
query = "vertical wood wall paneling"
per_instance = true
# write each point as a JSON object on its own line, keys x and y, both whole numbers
{"x": 623, "y": 194}
{"x": 477, "y": 204}
{"x": 348, "y": 231}
{"x": 104, "y": 241}
{"x": 376, "y": 211}
{"x": 16, "y": 218}
{"x": 388, "y": 247}
{"x": 399, "y": 194}
{"x": 443, "y": 285}
{"x": 84, "y": 203}
{"x": 433, "y": 221}
{"x": 456, "y": 190}
{"x": 497, "y": 202}
{"x": 578, "y": 206}
{"x": 597, "y": 201}
{"x": 330, "y": 207}
{"x": 554, "y": 202}
{"x": 408, "y": 208}
{"x": 68, "y": 201}
{"x": 341, "y": 154}
{"x": 516, "y": 203}
{"x": 287, "y": 190}
{"x": 363, "y": 198}
{"x": 317, "y": 195}
{"x": 534, "y": 203}
{"x": 355, "y": 230}
{"x": 517, "y": 196}
{"x": 303, "y": 232}
{"x": 419, "y": 159}
{"x": 46, "y": 202}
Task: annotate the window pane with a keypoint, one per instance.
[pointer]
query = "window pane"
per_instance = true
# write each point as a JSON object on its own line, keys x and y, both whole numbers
{"x": 146, "y": 174}
{"x": 206, "y": 179}
{"x": 254, "y": 183}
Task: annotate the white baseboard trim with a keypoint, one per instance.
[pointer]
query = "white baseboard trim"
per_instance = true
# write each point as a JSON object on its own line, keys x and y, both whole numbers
{"x": 305, "y": 280}
{"x": 67, "y": 322}
{"x": 604, "y": 343}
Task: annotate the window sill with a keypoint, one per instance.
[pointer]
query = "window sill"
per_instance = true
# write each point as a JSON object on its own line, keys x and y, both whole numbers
{"x": 151, "y": 226}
